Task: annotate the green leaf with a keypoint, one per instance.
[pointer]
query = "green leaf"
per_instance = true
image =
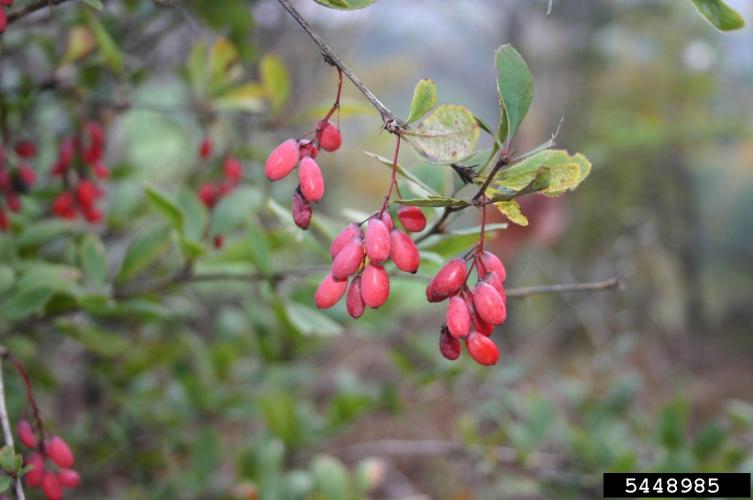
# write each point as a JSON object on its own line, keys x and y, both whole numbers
{"x": 424, "y": 99}
{"x": 4, "y": 483}
{"x": 401, "y": 171}
{"x": 259, "y": 247}
{"x": 511, "y": 209}
{"x": 143, "y": 251}
{"x": 345, "y": 4}
{"x": 7, "y": 459}
{"x": 196, "y": 68}
{"x": 43, "y": 231}
{"x": 557, "y": 171}
{"x": 309, "y": 321}
{"x": 167, "y": 208}
{"x": 719, "y": 14}
{"x": 107, "y": 46}
{"x": 94, "y": 4}
{"x": 94, "y": 259}
{"x": 447, "y": 135}
{"x": 56, "y": 277}
{"x": 234, "y": 209}
{"x": 7, "y": 278}
{"x": 222, "y": 56}
{"x": 330, "y": 478}
{"x": 25, "y": 303}
{"x": 435, "y": 201}
{"x": 248, "y": 97}
{"x": 275, "y": 80}
{"x": 515, "y": 88}
{"x": 195, "y": 215}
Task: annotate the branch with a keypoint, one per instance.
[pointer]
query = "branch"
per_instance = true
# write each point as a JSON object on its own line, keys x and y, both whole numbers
{"x": 24, "y": 11}
{"x": 610, "y": 284}
{"x": 391, "y": 121}
{"x": 8, "y": 435}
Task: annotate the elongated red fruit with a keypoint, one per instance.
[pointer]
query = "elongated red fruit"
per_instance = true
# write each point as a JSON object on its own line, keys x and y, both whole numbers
{"x": 51, "y": 486}
{"x": 412, "y": 218}
{"x": 34, "y": 476}
{"x": 482, "y": 349}
{"x": 26, "y": 149}
{"x": 209, "y": 194}
{"x": 3, "y": 20}
{"x": 489, "y": 304}
{"x": 377, "y": 241}
{"x": 354, "y": 302}
{"x": 450, "y": 279}
{"x": 329, "y": 137}
{"x": 346, "y": 235}
{"x": 449, "y": 346}
{"x": 348, "y": 260}
{"x": 301, "y": 210}
{"x": 311, "y": 179}
{"x": 493, "y": 279}
{"x": 282, "y": 160}
{"x": 69, "y": 478}
{"x": 490, "y": 262}
{"x": 375, "y": 285}
{"x": 329, "y": 292}
{"x": 26, "y": 434}
{"x": 387, "y": 219}
{"x": 404, "y": 252}
{"x": 458, "y": 317}
{"x": 483, "y": 327}
{"x": 58, "y": 451}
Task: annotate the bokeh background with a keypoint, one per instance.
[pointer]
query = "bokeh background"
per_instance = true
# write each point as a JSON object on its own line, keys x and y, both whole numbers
{"x": 241, "y": 390}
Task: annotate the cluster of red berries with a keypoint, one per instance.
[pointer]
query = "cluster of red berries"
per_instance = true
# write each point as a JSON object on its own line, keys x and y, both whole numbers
{"x": 51, "y": 460}
{"x": 302, "y": 153}
{"x": 3, "y": 14}
{"x": 370, "y": 283}
{"x": 211, "y": 192}
{"x": 78, "y": 156}
{"x": 16, "y": 177}
{"x": 471, "y": 315}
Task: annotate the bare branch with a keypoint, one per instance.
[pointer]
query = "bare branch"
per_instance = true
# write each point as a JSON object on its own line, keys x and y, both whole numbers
{"x": 24, "y": 11}
{"x": 610, "y": 284}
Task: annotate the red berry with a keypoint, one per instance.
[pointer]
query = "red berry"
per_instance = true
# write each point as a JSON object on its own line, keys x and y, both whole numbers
{"x": 329, "y": 137}
{"x": 307, "y": 148}
{"x": 26, "y": 149}
{"x": 5, "y": 180}
{"x": 209, "y": 194}
{"x": 493, "y": 279}
{"x": 482, "y": 349}
{"x": 63, "y": 206}
{"x": 69, "y": 478}
{"x": 58, "y": 451}
{"x": 377, "y": 241}
{"x": 348, "y": 260}
{"x": 101, "y": 170}
{"x": 489, "y": 304}
{"x": 13, "y": 201}
{"x": 404, "y": 252}
{"x": 51, "y": 486}
{"x": 375, "y": 285}
{"x": 232, "y": 169}
{"x": 7, "y": 3}
{"x": 329, "y": 292}
{"x": 489, "y": 263}
{"x": 34, "y": 476}
{"x": 387, "y": 219}
{"x": 311, "y": 179}
{"x": 458, "y": 317}
{"x": 3, "y": 20}
{"x": 483, "y": 327}
{"x": 346, "y": 235}
{"x": 96, "y": 133}
{"x": 412, "y": 218}
{"x": 301, "y": 210}
{"x": 4, "y": 222}
{"x": 26, "y": 434}
{"x": 354, "y": 301}
{"x": 449, "y": 280}
{"x": 27, "y": 175}
{"x": 282, "y": 160}
{"x": 92, "y": 214}
{"x": 93, "y": 154}
{"x": 86, "y": 193}
{"x": 205, "y": 149}
{"x": 218, "y": 241}
{"x": 449, "y": 346}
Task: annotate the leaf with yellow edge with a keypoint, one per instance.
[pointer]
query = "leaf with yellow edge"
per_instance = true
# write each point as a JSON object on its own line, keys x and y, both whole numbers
{"x": 447, "y": 135}
{"x": 511, "y": 209}
{"x": 275, "y": 81}
{"x": 564, "y": 172}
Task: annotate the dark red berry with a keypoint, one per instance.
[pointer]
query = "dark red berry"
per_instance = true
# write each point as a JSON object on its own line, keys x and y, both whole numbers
{"x": 346, "y": 235}
{"x": 59, "y": 452}
{"x": 86, "y": 193}
{"x": 69, "y": 478}
{"x": 329, "y": 292}
{"x": 375, "y": 285}
{"x": 458, "y": 317}
{"x": 26, "y": 434}
{"x": 3, "y": 20}
{"x": 205, "y": 149}
{"x": 209, "y": 194}
{"x": 449, "y": 346}
{"x": 489, "y": 263}
{"x": 64, "y": 206}
{"x": 348, "y": 260}
{"x": 301, "y": 210}
{"x": 51, "y": 486}
{"x": 282, "y": 160}
{"x": 489, "y": 304}
{"x": 26, "y": 149}
{"x": 449, "y": 280}
{"x": 412, "y": 218}
{"x": 354, "y": 301}
{"x": 482, "y": 349}
{"x": 34, "y": 476}
{"x": 329, "y": 137}
{"x": 404, "y": 252}
{"x": 101, "y": 170}
{"x": 311, "y": 179}
{"x": 377, "y": 241}
{"x": 92, "y": 214}
{"x": 4, "y": 222}
{"x": 232, "y": 169}
{"x": 13, "y": 201}
{"x": 219, "y": 240}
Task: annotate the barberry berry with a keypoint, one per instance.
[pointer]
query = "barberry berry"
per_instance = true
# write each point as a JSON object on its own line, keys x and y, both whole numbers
{"x": 377, "y": 241}
{"x": 375, "y": 285}
{"x": 354, "y": 301}
{"x": 282, "y": 160}
{"x": 348, "y": 260}
{"x": 69, "y": 478}
{"x": 59, "y": 452}
{"x": 26, "y": 434}
{"x": 449, "y": 346}
{"x": 412, "y": 218}
{"x": 301, "y": 210}
{"x": 329, "y": 136}
{"x": 350, "y": 232}
{"x": 404, "y": 252}
{"x": 482, "y": 349}
{"x": 205, "y": 148}
{"x": 458, "y": 317}
{"x": 489, "y": 304}
{"x": 329, "y": 292}
{"x": 232, "y": 169}
{"x": 51, "y": 486}
{"x": 311, "y": 180}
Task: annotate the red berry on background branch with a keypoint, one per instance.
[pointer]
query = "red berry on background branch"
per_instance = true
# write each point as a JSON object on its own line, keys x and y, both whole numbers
{"x": 69, "y": 478}
{"x": 59, "y": 452}
{"x": 26, "y": 434}
{"x": 206, "y": 147}
{"x": 482, "y": 349}
{"x": 51, "y": 486}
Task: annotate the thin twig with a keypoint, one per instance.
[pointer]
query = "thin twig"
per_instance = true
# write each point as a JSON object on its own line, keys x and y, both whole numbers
{"x": 610, "y": 284}
{"x": 24, "y": 11}
{"x": 8, "y": 435}
{"x": 391, "y": 121}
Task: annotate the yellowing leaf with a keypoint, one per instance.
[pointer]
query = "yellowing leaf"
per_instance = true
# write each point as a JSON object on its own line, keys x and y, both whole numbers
{"x": 448, "y": 135}
{"x": 557, "y": 170}
{"x": 247, "y": 97}
{"x": 222, "y": 56}
{"x": 275, "y": 80}
{"x": 511, "y": 209}
{"x": 81, "y": 43}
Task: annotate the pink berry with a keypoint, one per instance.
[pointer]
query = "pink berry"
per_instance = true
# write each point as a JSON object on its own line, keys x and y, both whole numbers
{"x": 348, "y": 260}
{"x": 27, "y": 175}
{"x": 59, "y": 452}
{"x": 64, "y": 206}
{"x": 491, "y": 263}
{"x": 205, "y": 149}
{"x": 34, "y": 476}
{"x": 449, "y": 346}
{"x": 209, "y": 194}
{"x": 101, "y": 170}
{"x": 458, "y": 317}
{"x": 404, "y": 252}
{"x": 377, "y": 241}
{"x": 450, "y": 279}
{"x": 412, "y": 218}
{"x": 489, "y": 304}
{"x": 301, "y": 210}
{"x": 51, "y": 486}
{"x": 329, "y": 137}
{"x": 69, "y": 478}
{"x": 86, "y": 193}
{"x": 26, "y": 434}
{"x": 493, "y": 279}
{"x": 329, "y": 292}
{"x": 3, "y": 20}
{"x": 232, "y": 169}
{"x": 346, "y": 235}
{"x": 482, "y": 349}
{"x": 375, "y": 285}
{"x": 354, "y": 301}
{"x": 311, "y": 179}
{"x": 282, "y": 160}
{"x": 387, "y": 219}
